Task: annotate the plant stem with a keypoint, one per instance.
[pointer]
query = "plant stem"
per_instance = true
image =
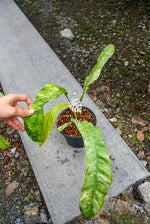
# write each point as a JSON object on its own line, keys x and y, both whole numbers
{"x": 67, "y": 97}
{"x": 76, "y": 115}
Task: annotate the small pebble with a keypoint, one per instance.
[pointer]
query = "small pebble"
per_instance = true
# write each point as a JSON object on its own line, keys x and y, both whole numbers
{"x": 13, "y": 150}
{"x": 67, "y": 33}
{"x": 113, "y": 119}
{"x": 126, "y": 63}
{"x": 10, "y": 130}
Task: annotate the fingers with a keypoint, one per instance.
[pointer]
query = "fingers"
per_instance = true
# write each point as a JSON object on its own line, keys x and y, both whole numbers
{"x": 20, "y": 112}
{"x": 10, "y": 109}
{"x": 14, "y": 123}
{"x": 21, "y": 97}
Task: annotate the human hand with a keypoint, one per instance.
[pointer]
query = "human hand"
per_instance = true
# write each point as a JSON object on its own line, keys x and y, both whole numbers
{"x": 10, "y": 110}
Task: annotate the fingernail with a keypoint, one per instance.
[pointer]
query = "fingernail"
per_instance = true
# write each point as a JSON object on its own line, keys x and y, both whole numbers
{"x": 31, "y": 111}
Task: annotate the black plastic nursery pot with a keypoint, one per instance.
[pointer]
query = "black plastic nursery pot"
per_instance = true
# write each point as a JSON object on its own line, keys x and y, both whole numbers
{"x": 76, "y": 141}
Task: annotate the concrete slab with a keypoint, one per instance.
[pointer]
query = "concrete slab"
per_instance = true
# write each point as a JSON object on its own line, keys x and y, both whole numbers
{"x": 27, "y": 63}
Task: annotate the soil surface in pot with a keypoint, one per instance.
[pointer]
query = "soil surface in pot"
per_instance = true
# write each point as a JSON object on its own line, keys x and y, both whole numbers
{"x": 66, "y": 116}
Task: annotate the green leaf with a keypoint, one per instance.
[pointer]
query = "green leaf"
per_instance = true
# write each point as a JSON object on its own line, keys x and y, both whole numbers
{"x": 29, "y": 196}
{"x": 98, "y": 176}
{"x": 49, "y": 120}
{"x": 34, "y": 124}
{"x": 101, "y": 61}
{"x": 62, "y": 127}
{"x": 4, "y": 144}
{"x": 1, "y": 94}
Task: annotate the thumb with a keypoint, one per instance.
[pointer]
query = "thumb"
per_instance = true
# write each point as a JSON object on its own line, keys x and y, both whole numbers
{"x": 20, "y": 112}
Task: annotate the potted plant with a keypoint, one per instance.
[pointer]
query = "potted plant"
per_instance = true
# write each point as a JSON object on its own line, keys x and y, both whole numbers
{"x": 98, "y": 176}
{"x": 68, "y": 129}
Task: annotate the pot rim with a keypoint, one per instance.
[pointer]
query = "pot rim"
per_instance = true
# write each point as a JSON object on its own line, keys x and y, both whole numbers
{"x": 79, "y": 136}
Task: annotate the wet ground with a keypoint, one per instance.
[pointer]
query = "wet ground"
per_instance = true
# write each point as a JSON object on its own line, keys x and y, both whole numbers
{"x": 122, "y": 92}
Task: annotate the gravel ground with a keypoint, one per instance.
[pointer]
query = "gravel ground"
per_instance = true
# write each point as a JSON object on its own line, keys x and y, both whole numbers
{"x": 122, "y": 93}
